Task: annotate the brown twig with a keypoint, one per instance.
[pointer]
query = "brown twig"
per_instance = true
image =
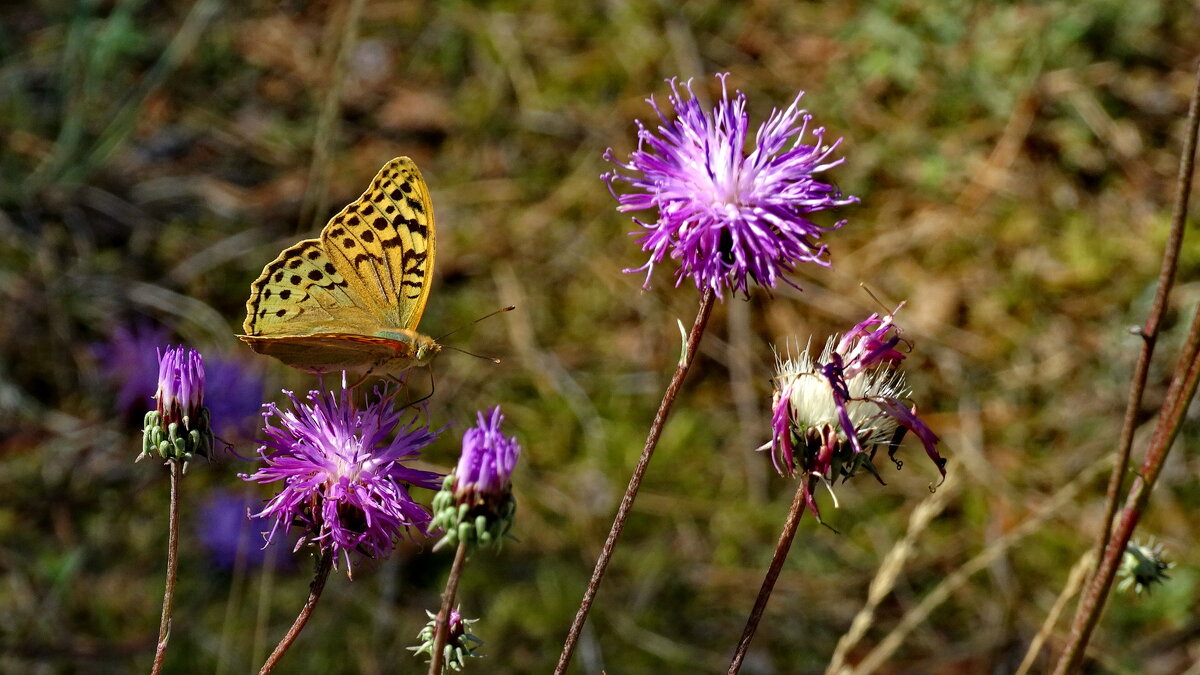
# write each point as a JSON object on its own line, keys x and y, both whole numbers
{"x": 635, "y": 481}
{"x": 164, "y": 624}
{"x": 1179, "y": 395}
{"x": 441, "y": 626}
{"x": 1149, "y": 332}
{"x": 1087, "y": 615}
{"x": 768, "y": 584}
{"x": 324, "y": 564}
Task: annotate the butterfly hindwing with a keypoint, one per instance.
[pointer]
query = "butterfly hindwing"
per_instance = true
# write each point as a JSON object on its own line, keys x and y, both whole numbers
{"x": 383, "y": 244}
{"x": 329, "y": 352}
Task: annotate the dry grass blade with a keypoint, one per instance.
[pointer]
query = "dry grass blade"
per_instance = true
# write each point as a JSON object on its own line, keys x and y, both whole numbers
{"x": 889, "y": 571}
{"x": 917, "y": 615}
{"x": 1075, "y": 581}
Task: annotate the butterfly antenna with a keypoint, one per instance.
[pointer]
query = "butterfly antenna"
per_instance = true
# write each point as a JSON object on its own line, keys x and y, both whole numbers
{"x": 478, "y": 356}
{"x": 874, "y": 297}
{"x": 485, "y": 316}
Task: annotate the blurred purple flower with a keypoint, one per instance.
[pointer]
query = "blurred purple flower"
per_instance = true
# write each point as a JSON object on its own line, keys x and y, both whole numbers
{"x": 343, "y": 480}
{"x": 827, "y": 409}
{"x": 129, "y": 361}
{"x": 484, "y": 472}
{"x": 235, "y": 397}
{"x": 227, "y": 531}
{"x": 727, "y": 215}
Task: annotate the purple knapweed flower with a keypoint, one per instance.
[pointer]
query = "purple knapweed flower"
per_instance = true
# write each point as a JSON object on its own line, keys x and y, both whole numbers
{"x": 730, "y": 214}
{"x": 344, "y": 481}
{"x": 180, "y": 385}
{"x": 485, "y": 468}
{"x": 178, "y": 427}
{"x": 476, "y": 504}
{"x": 827, "y": 410}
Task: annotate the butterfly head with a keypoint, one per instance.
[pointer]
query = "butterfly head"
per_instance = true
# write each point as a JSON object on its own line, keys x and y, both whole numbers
{"x": 427, "y": 348}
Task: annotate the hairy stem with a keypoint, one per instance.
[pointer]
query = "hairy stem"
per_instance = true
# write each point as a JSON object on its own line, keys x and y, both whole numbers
{"x": 635, "y": 481}
{"x": 441, "y": 626}
{"x": 324, "y": 564}
{"x": 768, "y": 584}
{"x": 164, "y": 624}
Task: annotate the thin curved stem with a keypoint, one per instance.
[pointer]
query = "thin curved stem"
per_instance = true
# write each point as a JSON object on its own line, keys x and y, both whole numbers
{"x": 764, "y": 594}
{"x": 441, "y": 626}
{"x": 693, "y": 342}
{"x": 164, "y": 624}
{"x": 324, "y": 564}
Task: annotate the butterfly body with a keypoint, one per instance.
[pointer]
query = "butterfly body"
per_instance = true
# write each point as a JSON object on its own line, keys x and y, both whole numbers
{"x": 353, "y": 297}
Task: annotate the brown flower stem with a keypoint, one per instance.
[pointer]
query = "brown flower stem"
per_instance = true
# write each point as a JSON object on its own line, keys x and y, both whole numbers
{"x": 1179, "y": 395}
{"x": 1149, "y": 332}
{"x": 441, "y": 626}
{"x": 324, "y": 564}
{"x": 164, "y": 624}
{"x": 693, "y": 342}
{"x": 1109, "y": 552}
{"x": 768, "y": 584}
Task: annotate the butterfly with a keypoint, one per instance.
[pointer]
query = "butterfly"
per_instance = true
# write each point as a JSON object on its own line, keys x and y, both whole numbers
{"x": 352, "y": 298}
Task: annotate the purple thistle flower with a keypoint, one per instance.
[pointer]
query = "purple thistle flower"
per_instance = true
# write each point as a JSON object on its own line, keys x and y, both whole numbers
{"x": 728, "y": 215}
{"x": 344, "y": 481}
{"x": 178, "y": 427}
{"x": 827, "y": 410}
{"x": 475, "y": 503}
{"x": 485, "y": 468}
{"x": 180, "y": 392}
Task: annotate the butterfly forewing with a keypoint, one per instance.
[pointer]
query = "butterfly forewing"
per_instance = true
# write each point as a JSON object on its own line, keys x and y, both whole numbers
{"x": 383, "y": 243}
{"x": 354, "y": 296}
{"x": 301, "y": 292}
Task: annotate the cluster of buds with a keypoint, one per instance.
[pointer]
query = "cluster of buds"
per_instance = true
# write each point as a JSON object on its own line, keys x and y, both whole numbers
{"x": 475, "y": 504}
{"x": 827, "y": 410}
{"x": 178, "y": 427}
{"x": 1142, "y": 566}
{"x": 460, "y": 644}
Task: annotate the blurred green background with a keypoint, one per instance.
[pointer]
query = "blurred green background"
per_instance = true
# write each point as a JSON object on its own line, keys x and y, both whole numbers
{"x": 1015, "y": 163}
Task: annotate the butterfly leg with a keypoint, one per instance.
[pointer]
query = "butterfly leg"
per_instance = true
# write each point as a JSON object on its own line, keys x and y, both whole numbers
{"x": 424, "y": 398}
{"x": 363, "y": 378}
